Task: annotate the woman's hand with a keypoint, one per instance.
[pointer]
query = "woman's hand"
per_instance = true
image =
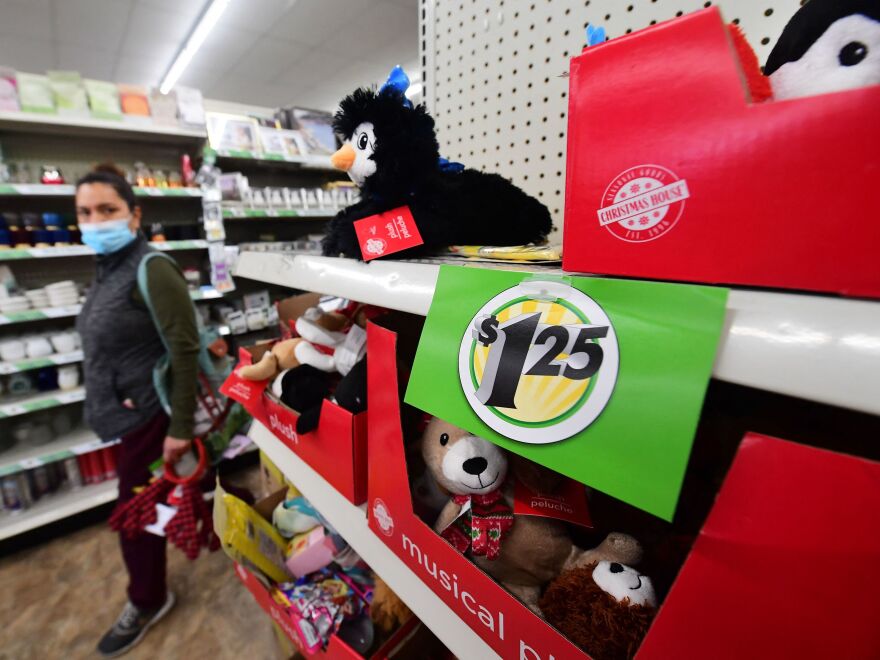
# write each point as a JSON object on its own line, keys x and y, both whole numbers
{"x": 174, "y": 448}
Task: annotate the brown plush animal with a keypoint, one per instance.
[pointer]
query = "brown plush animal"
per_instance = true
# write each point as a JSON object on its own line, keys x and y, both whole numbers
{"x": 386, "y": 609}
{"x": 315, "y": 328}
{"x": 605, "y": 608}
{"x": 531, "y": 550}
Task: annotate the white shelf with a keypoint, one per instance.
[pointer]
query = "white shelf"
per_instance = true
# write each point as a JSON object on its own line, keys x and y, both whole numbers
{"x": 42, "y": 401}
{"x": 27, "y": 122}
{"x": 54, "y": 252}
{"x": 40, "y": 314}
{"x": 813, "y": 347}
{"x": 66, "y": 190}
{"x": 38, "y": 363}
{"x": 25, "y": 457}
{"x": 57, "y": 506}
{"x": 351, "y": 522}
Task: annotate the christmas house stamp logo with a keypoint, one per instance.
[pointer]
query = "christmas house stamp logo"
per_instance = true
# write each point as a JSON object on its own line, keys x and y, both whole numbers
{"x": 643, "y": 203}
{"x": 383, "y": 517}
{"x": 375, "y": 246}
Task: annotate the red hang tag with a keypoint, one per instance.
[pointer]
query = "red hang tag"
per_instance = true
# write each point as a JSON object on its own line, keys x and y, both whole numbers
{"x": 387, "y": 233}
{"x": 567, "y": 503}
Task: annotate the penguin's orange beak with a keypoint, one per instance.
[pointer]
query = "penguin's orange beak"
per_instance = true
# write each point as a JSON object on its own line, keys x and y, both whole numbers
{"x": 344, "y": 158}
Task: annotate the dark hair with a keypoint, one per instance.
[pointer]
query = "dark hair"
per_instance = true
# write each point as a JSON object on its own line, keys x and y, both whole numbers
{"x": 112, "y": 176}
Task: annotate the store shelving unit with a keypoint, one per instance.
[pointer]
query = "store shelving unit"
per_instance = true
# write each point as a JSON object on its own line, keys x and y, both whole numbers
{"x": 247, "y": 214}
{"x": 26, "y": 122}
{"x": 58, "y": 506}
{"x": 85, "y": 251}
{"x": 351, "y": 522}
{"x": 40, "y": 314}
{"x": 814, "y": 347}
{"x": 28, "y": 364}
{"x": 315, "y": 162}
{"x": 24, "y": 457}
{"x": 65, "y": 190}
{"x": 42, "y": 401}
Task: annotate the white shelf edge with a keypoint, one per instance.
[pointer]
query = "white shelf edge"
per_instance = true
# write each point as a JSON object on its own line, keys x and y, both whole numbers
{"x": 56, "y": 397}
{"x": 57, "y": 506}
{"x": 351, "y": 522}
{"x": 813, "y": 347}
{"x": 30, "y": 121}
{"x": 56, "y": 359}
{"x": 22, "y": 452}
{"x": 47, "y": 313}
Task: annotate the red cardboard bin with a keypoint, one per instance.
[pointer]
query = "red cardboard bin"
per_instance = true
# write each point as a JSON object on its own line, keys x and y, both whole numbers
{"x": 337, "y": 448}
{"x": 673, "y": 173}
{"x": 336, "y": 649}
{"x": 783, "y": 567}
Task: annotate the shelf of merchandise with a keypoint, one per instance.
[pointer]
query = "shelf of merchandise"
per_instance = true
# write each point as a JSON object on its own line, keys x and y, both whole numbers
{"x": 28, "y": 364}
{"x": 27, "y": 457}
{"x": 26, "y": 122}
{"x": 64, "y": 190}
{"x": 17, "y": 254}
{"x": 808, "y": 346}
{"x": 246, "y": 214}
{"x": 317, "y": 162}
{"x": 351, "y": 522}
{"x": 57, "y": 506}
{"x": 42, "y": 401}
{"x": 40, "y": 314}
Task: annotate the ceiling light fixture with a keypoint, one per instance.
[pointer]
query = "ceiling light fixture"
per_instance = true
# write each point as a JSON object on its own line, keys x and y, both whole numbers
{"x": 194, "y": 41}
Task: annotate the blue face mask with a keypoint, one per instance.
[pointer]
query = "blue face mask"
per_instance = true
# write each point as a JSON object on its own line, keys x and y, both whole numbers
{"x": 106, "y": 237}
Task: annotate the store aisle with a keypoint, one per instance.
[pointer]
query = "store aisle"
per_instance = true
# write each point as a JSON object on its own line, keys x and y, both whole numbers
{"x": 59, "y": 598}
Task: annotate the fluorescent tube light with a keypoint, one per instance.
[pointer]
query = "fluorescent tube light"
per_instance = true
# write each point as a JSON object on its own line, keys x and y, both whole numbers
{"x": 195, "y": 40}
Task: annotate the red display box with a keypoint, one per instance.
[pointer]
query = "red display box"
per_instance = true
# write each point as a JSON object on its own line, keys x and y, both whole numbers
{"x": 674, "y": 174}
{"x": 336, "y": 649}
{"x": 783, "y": 567}
{"x": 337, "y": 449}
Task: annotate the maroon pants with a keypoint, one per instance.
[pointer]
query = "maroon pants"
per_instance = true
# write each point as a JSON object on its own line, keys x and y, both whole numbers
{"x": 144, "y": 555}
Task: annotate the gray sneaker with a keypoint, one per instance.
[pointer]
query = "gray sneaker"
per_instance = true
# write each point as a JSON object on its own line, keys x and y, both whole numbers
{"x": 130, "y": 628}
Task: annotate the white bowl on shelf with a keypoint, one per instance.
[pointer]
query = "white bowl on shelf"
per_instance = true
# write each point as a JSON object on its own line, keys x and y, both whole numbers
{"x": 12, "y": 350}
{"x": 37, "y": 346}
{"x": 66, "y": 285}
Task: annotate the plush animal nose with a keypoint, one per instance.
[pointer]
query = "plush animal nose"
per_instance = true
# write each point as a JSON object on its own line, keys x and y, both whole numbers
{"x": 615, "y": 567}
{"x": 344, "y": 158}
{"x": 475, "y": 465}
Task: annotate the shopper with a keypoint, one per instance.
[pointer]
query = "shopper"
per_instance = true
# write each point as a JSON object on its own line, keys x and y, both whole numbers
{"x": 121, "y": 346}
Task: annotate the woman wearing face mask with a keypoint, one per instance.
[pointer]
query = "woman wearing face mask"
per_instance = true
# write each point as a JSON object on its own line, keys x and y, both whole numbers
{"x": 121, "y": 346}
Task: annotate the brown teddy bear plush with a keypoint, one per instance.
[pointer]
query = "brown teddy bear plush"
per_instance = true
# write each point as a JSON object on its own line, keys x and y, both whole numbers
{"x": 604, "y": 607}
{"x": 524, "y": 552}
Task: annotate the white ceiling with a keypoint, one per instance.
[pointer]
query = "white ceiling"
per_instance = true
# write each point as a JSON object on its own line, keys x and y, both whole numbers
{"x": 262, "y": 52}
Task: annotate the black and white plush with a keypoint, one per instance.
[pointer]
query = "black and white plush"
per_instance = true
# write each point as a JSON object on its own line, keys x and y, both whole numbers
{"x": 827, "y": 46}
{"x": 390, "y": 151}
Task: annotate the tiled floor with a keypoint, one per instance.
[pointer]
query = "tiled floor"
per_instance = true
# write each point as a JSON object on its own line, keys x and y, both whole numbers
{"x": 57, "y": 599}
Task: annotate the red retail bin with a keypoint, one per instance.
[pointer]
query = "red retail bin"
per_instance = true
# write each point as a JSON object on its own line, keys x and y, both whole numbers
{"x": 783, "y": 567}
{"x": 337, "y": 449}
{"x": 673, "y": 172}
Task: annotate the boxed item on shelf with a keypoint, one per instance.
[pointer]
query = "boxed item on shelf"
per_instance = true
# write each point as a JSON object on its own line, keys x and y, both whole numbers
{"x": 103, "y": 99}
{"x": 677, "y": 174}
{"x": 336, "y": 448}
{"x": 35, "y": 93}
{"x": 8, "y": 90}
{"x": 69, "y": 92}
{"x": 755, "y": 556}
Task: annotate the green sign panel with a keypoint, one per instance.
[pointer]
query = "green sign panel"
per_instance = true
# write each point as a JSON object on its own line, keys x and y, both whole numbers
{"x": 602, "y": 380}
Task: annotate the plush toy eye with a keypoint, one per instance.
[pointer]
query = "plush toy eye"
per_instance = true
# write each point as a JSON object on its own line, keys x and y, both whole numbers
{"x": 853, "y": 53}
{"x": 444, "y": 438}
{"x": 362, "y": 141}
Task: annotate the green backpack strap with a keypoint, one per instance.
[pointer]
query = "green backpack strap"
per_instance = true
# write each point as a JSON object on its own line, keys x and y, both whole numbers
{"x": 144, "y": 288}
{"x": 162, "y": 371}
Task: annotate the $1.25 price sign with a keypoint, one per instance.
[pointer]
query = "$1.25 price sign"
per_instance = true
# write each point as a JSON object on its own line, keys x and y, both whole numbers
{"x": 601, "y": 380}
{"x": 540, "y": 362}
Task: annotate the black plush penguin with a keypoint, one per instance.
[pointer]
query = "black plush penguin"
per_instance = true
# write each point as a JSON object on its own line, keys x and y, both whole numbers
{"x": 827, "y": 46}
{"x": 390, "y": 151}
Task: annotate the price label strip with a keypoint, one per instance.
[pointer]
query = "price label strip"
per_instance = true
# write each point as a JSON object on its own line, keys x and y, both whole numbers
{"x": 600, "y": 380}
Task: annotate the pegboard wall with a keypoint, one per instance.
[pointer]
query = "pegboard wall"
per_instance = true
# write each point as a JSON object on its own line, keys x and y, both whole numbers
{"x": 493, "y": 74}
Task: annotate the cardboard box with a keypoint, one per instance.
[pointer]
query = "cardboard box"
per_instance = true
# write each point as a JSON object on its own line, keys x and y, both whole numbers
{"x": 673, "y": 173}
{"x": 785, "y": 558}
{"x": 337, "y": 449}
